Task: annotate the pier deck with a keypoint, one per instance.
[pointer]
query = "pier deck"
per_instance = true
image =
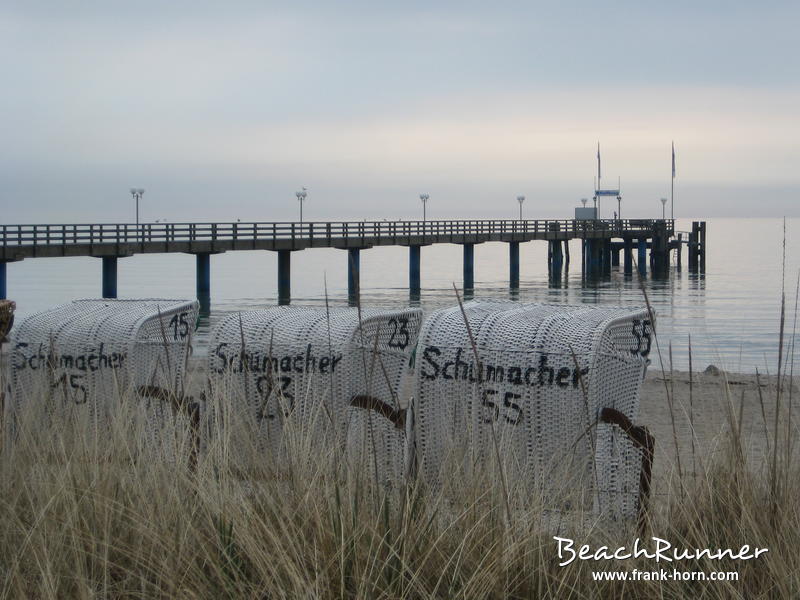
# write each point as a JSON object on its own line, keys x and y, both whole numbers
{"x": 113, "y": 241}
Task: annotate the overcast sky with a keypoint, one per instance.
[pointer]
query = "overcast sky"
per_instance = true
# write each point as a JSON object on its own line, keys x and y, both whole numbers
{"x": 221, "y": 110}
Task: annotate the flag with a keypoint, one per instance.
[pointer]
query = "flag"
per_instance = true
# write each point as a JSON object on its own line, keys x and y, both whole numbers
{"x": 673, "y": 160}
{"x": 598, "y": 163}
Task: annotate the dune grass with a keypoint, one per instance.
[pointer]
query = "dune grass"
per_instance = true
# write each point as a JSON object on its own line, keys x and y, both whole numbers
{"x": 100, "y": 513}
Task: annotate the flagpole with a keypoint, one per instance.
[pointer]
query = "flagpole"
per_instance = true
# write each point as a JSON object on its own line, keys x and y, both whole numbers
{"x": 672, "y": 199}
{"x": 597, "y": 190}
{"x": 672, "y": 188}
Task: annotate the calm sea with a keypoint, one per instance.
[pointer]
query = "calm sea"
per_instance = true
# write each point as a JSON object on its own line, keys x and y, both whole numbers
{"x": 732, "y": 311}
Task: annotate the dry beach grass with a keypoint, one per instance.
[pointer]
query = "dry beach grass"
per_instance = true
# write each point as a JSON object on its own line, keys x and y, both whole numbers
{"x": 97, "y": 516}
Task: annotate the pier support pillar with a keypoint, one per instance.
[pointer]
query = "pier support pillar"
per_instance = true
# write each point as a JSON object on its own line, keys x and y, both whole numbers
{"x": 614, "y": 256}
{"x": 702, "y": 248}
{"x": 284, "y": 276}
{"x": 353, "y": 275}
{"x": 584, "y": 268}
{"x": 414, "y": 260}
{"x": 642, "y": 260}
{"x": 679, "y": 251}
{"x": 556, "y": 256}
{"x": 659, "y": 249}
{"x": 3, "y": 280}
{"x": 627, "y": 252}
{"x": 592, "y": 257}
{"x": 469, "y": 267}
{"x": 694, "y": 250}
{"x": 605, "y": 245}
{"x": 203, "y": 260}
{"x": 109, "y": 276}
{"x": 513, "y": 265}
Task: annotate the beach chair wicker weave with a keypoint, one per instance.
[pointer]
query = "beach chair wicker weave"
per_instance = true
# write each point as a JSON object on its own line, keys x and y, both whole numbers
{"x": 543, "y": 375}
{"x": 334, "y": 374}
{"x": 92, "y": 352}
{"x": 7, "y": 308}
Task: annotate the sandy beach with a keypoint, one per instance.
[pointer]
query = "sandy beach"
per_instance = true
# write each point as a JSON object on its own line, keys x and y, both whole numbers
{"x": 709, "y": 406}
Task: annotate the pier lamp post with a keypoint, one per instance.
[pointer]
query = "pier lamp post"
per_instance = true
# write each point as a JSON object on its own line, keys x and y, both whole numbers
{"x": 520, "y": 199}
{"x": 301, "y": 196}
{"x": 424, "y": 198}
{"x": 619, "y": 207}
{"x": 663, "y": 208}
{"x": 137, "y": 194}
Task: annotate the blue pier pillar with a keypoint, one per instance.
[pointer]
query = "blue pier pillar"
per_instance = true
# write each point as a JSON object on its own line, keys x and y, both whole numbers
{"x": 469, "y": 267}
{"x": 614, "y": 256}
{"x": 414, "y": 271}
{"x": 3, "y": 280}
{"x": 642, "y": 256}
{"x": 607, "y": 256}
{"x": 203, "y": 260}
{"x": 109, "y": 276}
{"x": 556, "y": 259}
{"x": 353, "y": 275}
{"x": 593, "y": 257}
{"x": 513, "y": 265}
{"x": 284, "y": 276}
{"x": 583, "y": 257}
{"x": 627, "y": 252}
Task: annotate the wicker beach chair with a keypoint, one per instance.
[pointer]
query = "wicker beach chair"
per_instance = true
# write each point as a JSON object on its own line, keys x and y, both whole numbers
{"x": 550, "y": 392}
{"x": 87, "y": 354}
{"x": 7, "y": 308}
{"x": 334, "y": 375}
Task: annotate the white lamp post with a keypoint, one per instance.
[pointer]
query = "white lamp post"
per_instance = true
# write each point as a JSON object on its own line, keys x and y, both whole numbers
{"x": 301, "y": 196}
{"x": 520, "y": 199}
{"x": 137, "y": 194}
{"x": 424, "y": 198}
{"x": 663, "y": 207}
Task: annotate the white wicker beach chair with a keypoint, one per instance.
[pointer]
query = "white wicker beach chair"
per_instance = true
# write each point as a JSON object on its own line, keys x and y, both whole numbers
{"x": 551, "y": 396}
{"x": 334, "y": 374}
{"x": 90, "y": 353}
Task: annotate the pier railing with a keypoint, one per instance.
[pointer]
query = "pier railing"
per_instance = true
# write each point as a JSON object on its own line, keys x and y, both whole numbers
{"x": 119, "y": 233}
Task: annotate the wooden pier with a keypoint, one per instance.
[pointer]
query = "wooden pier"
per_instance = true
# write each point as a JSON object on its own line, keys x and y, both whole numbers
{"x": 602, "y": 242}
